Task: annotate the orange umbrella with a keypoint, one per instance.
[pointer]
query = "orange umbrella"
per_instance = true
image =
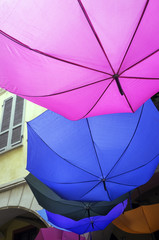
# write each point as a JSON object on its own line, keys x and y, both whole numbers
{"x": 144, "y": 219}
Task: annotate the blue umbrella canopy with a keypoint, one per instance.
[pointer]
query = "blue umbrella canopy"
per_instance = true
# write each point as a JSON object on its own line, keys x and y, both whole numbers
{"x": 43, "y": 214}
{"x": 94, "y": 159}
{"x": 87, "y": 224}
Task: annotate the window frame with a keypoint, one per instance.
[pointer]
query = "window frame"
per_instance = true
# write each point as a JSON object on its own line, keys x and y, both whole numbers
{"x": 10, "y": 145}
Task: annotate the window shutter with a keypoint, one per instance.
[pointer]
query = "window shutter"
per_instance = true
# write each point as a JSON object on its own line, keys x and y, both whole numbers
{"x": 5, "y": 123}
{"x": 6, "y": 114}
{"x": 3, "y": 140}
{"x": 17, "y": 122}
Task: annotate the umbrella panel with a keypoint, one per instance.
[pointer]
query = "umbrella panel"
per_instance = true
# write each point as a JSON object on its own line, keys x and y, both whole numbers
{"x": 53, "y": 233}
{"x": 103, "y": 72}
{"x": 104, "y": 155}
{"x": 141, "y": 220}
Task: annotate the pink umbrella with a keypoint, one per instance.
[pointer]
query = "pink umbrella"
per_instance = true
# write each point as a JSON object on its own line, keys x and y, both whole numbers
{"x": 56, "y": 234}
{"x": 80, "y": 58}
{"x": 48, "y": 233}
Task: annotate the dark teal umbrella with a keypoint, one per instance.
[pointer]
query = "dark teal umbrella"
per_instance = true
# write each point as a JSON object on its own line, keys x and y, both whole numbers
{"x": 73, "y": 209}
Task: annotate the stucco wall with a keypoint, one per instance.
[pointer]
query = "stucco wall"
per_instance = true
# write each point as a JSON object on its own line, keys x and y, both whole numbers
{"x": 13, "y": 162}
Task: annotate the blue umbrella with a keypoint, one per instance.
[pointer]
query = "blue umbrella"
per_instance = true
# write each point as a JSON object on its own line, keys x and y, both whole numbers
{"x": 43, "y": 214}
{"x": 94, "y": 159}
{"x": 87, "y": 224}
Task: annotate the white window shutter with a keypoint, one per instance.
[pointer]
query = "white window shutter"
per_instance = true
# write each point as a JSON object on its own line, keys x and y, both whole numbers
{"x": 5, "y": 125}
{"x": 18, "y": 121}
{"x": 12, "y": 123}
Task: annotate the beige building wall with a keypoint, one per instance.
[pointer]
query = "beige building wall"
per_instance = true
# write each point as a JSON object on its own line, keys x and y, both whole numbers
{"x": 13, "y": 162}
{"x": 18, "y": 206}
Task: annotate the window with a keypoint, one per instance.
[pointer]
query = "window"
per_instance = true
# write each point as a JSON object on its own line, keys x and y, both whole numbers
{"x": 11, "y": 127}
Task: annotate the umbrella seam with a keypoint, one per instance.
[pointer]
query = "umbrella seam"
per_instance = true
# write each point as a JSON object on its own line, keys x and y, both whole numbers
{"x": 89, "y": 225}
{"x": 128, "y": 102}
{"x": 76, "y": 182}
{"x": 98, "y": 99}
{"x": 46, "y": 54}
{"x": 139, "y": 62}
{"x": 93, "y": 143}
{"x": 90, "y": 189}
{"x": 128, "y": 230}
{"x": 134, "y": 168}
{"x": 94, "y": 188}
{"x": 146, "y": 218}
{"x": 94, "y": 32}
{"x": 122, "y": 183}
{"x": 142, "y": 78}
{"x": 70, "y": 90}
{"x": 137, "y": 27}
{"x": 129, "y": 142}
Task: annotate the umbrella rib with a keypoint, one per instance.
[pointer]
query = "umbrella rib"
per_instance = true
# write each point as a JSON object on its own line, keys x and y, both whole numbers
{"x": 94, "y": 147}
{"x": 138, "y": 62}
{"x": 146, "y": 218}
{"x": 98, "y": 99}
{"x": 93, "y": 188}
{"x": 98, "y": 226}
{"x": 102, "y": 96}
{"x": 134, "y": 168}
{"x": 87, "y": 225}
{"x": 142, "y": 78}
{"x": 124, "y": 224}
{"x": 70, "y": 90}
{"x": 124, "y": 184}
{"x": 94, "y": 32}
{"x": 85, "y": 213}
{"x": 48, "y": 55}
{"x": 128, "y": 102}
{"x": 128, "y": 143}
{"x": 61, "y": 156}
{"x": 90, "y": 189}
{"x": 76, "y": 182}
{"x": 141, "y": 17}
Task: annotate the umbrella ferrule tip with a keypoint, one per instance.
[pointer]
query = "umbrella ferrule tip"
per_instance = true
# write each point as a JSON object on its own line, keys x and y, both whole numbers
{"x": 87, "y": 207}
{"x": 115, "y": 76}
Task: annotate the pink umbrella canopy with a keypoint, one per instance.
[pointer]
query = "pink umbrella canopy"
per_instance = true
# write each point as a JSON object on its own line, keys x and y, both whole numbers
{"x": 80, "y": 58}
{"x": 56, "y": 234}
{"x": 49, "y": 233}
